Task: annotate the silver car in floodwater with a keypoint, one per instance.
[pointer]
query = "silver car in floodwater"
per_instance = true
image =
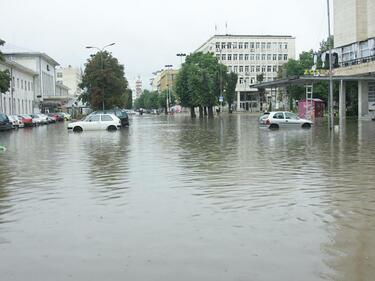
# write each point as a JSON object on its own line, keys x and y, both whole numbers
{"x": 283, "y": 119}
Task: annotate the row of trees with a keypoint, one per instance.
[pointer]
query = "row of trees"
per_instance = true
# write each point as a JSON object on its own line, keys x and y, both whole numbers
{"x": 200, "y": 82}
{"x": 104, "y": 83}
{"x": 154, "y": 100}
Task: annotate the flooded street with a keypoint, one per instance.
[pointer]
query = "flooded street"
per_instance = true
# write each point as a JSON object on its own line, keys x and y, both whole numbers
{"x": 171, "y": 198}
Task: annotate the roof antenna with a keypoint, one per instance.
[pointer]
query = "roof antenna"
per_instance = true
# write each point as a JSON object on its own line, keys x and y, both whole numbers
{"x": 215, "y": 29}
{"x": 226, "y": 28}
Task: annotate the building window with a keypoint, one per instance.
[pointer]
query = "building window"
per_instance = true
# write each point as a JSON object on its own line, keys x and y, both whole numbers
{"x": 280, "y": 45}
{"x": 223, "y": 45}
{"x": 274, "y": 57}
{"x": 263, "y": 68}
{"x": 268, "y": 45}
{"x": 263, "y": 56}
{"x": 240, "y": 45}
{"x": 235, "y": 69}
{"x": 257, "y": 45}
{"x": 246, "y": 57}
{"x": 269, "y": 56}
{"x": 365, "y": 51}
{"x": 258, "y": 57}
{"x": 285, "y": 46}
{"x": 241, "y": 80}
{"x": 280, "y": 57}
{"x": 217, "y": 45}
{"x": 251, "y": 45}
{"x": 21, "y": 84}
{"x": 371, "y": 92}
{"x": 252, "y": 57}
{"x": 269, "y": 68}
{"x": 246, "y": 45}
{"x": 285, "y": 57}
{"x": 234, "y": 45}
{"x": 252, "y": 68}
{"x": 229, "y": 57}
{"x": 229, "y": 45}
{"x": 258, "y": 68}
{"x": 274, "y": 68}
{"x": 235, "y": 57}
{"x": 223, "y": 57}
{"x": 241, "y": 68}
{"x": 247, "y": 69}
{"x": 229, "y": 69}
{"x": 240, "y": 57}
{"x": 18, "y": 83}
{"x": 59, "y": 75}
{"x": 47, "y": 67}
{"x": 218, "y": 56}
{"x": 263, "y": 45}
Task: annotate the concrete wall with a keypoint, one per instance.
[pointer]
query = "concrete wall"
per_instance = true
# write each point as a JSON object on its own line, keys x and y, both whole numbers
{"x": 371, "y": 18}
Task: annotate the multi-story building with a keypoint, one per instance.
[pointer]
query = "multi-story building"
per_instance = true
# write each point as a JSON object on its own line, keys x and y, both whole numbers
{"x": 19, "y": 99}
{"x": 354, "y": 53}
{"x": 138, "y": 87}
{"x": 249, "y": 56}
{"x": 155, "y": 81}
{"x": 167, "y": 79}
{"x": 70, "y": 77}
{"x": 45, "y": 94}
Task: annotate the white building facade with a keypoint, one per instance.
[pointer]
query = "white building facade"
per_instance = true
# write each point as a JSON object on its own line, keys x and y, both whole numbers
{"x": 70, "y": 77}
{"x": 249, "y": 56}
{"x": 354, "y": 51}
{"x": 19, "y": 99}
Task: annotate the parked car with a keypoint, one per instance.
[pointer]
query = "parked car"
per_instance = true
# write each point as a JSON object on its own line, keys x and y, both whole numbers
{"x": 14, "y": 121}
{"x": 43, "y": 118}
{"x": 19, "y": 121}
{"x": 5, "y": 123}
{"x": 120, "y": 113}
{"x": 27, "y": 120}
{"x": 54, "y": 118}
{"x": 284, "y": 119}
{"x": 67, "y": 117}
{"x": 36, "y": 119}
{"x": 96, "y": 122}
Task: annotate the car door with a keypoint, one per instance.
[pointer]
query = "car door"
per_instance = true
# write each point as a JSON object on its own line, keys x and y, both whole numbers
{"x": 92, "y": 123}
{"x": 106, "y": 121}
{"x": 291, "y": 119}
{"x": 278, "y": 118}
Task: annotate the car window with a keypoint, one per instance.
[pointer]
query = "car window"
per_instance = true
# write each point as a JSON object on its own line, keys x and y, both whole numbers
{"x": 106, "y": 118}
{"x": 93, "y": 118}
{"x": 278, "y": 115}
{"x": 2, "y": 117}
{"x": 290, "y": 116}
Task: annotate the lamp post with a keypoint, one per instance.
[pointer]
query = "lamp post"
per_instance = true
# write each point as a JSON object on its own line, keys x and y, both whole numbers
{"x": 168, "y": 66}
{"x": 181, "y": 55}
{"x": 100, "y": 50}
{"x": 330, "y": 117}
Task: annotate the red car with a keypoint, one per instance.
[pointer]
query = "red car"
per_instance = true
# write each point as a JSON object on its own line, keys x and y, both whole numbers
{"x": 56, "y": 116}
{"x": 27, "y": 120}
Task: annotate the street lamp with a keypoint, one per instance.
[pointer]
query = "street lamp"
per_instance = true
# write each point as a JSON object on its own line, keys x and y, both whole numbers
{"x": 181, "y": 55}
{"x": 100, "y": 50}
{"x": 168, "y": 66}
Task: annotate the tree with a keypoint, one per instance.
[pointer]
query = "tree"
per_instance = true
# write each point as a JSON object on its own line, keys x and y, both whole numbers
{"x": 4, "y": 75}
{"x": 127, "y": 99}
{"x": 103, "y": 81}
{"x": 230, "y": 89}
{"x": 200, "y": 82}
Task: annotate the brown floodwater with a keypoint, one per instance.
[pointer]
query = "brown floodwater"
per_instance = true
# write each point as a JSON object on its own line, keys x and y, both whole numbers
{"x": 172, "y": 198}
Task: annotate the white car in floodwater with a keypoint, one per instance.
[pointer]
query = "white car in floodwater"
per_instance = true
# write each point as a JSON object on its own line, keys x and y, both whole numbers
{"x": 96, "y": 122}
{"x": 284, "y": 119}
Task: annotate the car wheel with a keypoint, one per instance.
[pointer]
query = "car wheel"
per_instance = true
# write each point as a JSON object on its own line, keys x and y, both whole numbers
{"x": 274, "y": 127}
{"x": 306, "y": 126}
{"x": 77, "y": 129}
{"x": 112, "y": 128}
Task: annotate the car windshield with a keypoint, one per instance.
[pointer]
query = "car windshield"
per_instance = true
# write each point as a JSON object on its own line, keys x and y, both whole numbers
{"x": 289, "y": 115}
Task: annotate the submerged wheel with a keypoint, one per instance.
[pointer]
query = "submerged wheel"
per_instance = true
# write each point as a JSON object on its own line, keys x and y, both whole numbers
{"x": 306, "y": 126}
{"x": 77, "y": 129}
{"x": 274, "y": 127}
{"x": 112, "y": 128}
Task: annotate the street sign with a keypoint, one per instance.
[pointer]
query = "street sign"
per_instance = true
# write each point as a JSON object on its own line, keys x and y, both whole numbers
{"x": 221, "y": 99}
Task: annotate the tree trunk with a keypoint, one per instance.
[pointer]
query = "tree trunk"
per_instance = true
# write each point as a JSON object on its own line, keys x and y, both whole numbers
{"x": 166, "y": 110}
{"x": 210, "y": 112}
{"x": 192, "y": 112}
{"x": 200, "y": 112}
{"x": 205, "y": 111}
{"x": 230, "y": 108}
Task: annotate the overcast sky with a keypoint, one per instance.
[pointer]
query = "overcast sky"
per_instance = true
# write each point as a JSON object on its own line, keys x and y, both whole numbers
{"x": 148, "y": 34}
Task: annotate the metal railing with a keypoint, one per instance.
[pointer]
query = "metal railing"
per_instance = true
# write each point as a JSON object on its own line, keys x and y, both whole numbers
{"x": 355, "y": 61}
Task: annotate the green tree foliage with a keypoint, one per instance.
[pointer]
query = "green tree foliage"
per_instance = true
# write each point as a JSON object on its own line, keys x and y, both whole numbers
{"x": 230, "y": 89}
{"x": 148, "y": 100}
{"x": 127, "y": 99}
{"x": 4, "y": 75}
{"x": 103, "y": 78}
{"x": 201, "y": 81}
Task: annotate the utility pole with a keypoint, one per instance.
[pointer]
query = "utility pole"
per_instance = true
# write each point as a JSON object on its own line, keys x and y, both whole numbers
{"x": 168, "y": 66}
{"x": 100, "y": 50}
{"x": 330, "y": 110}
